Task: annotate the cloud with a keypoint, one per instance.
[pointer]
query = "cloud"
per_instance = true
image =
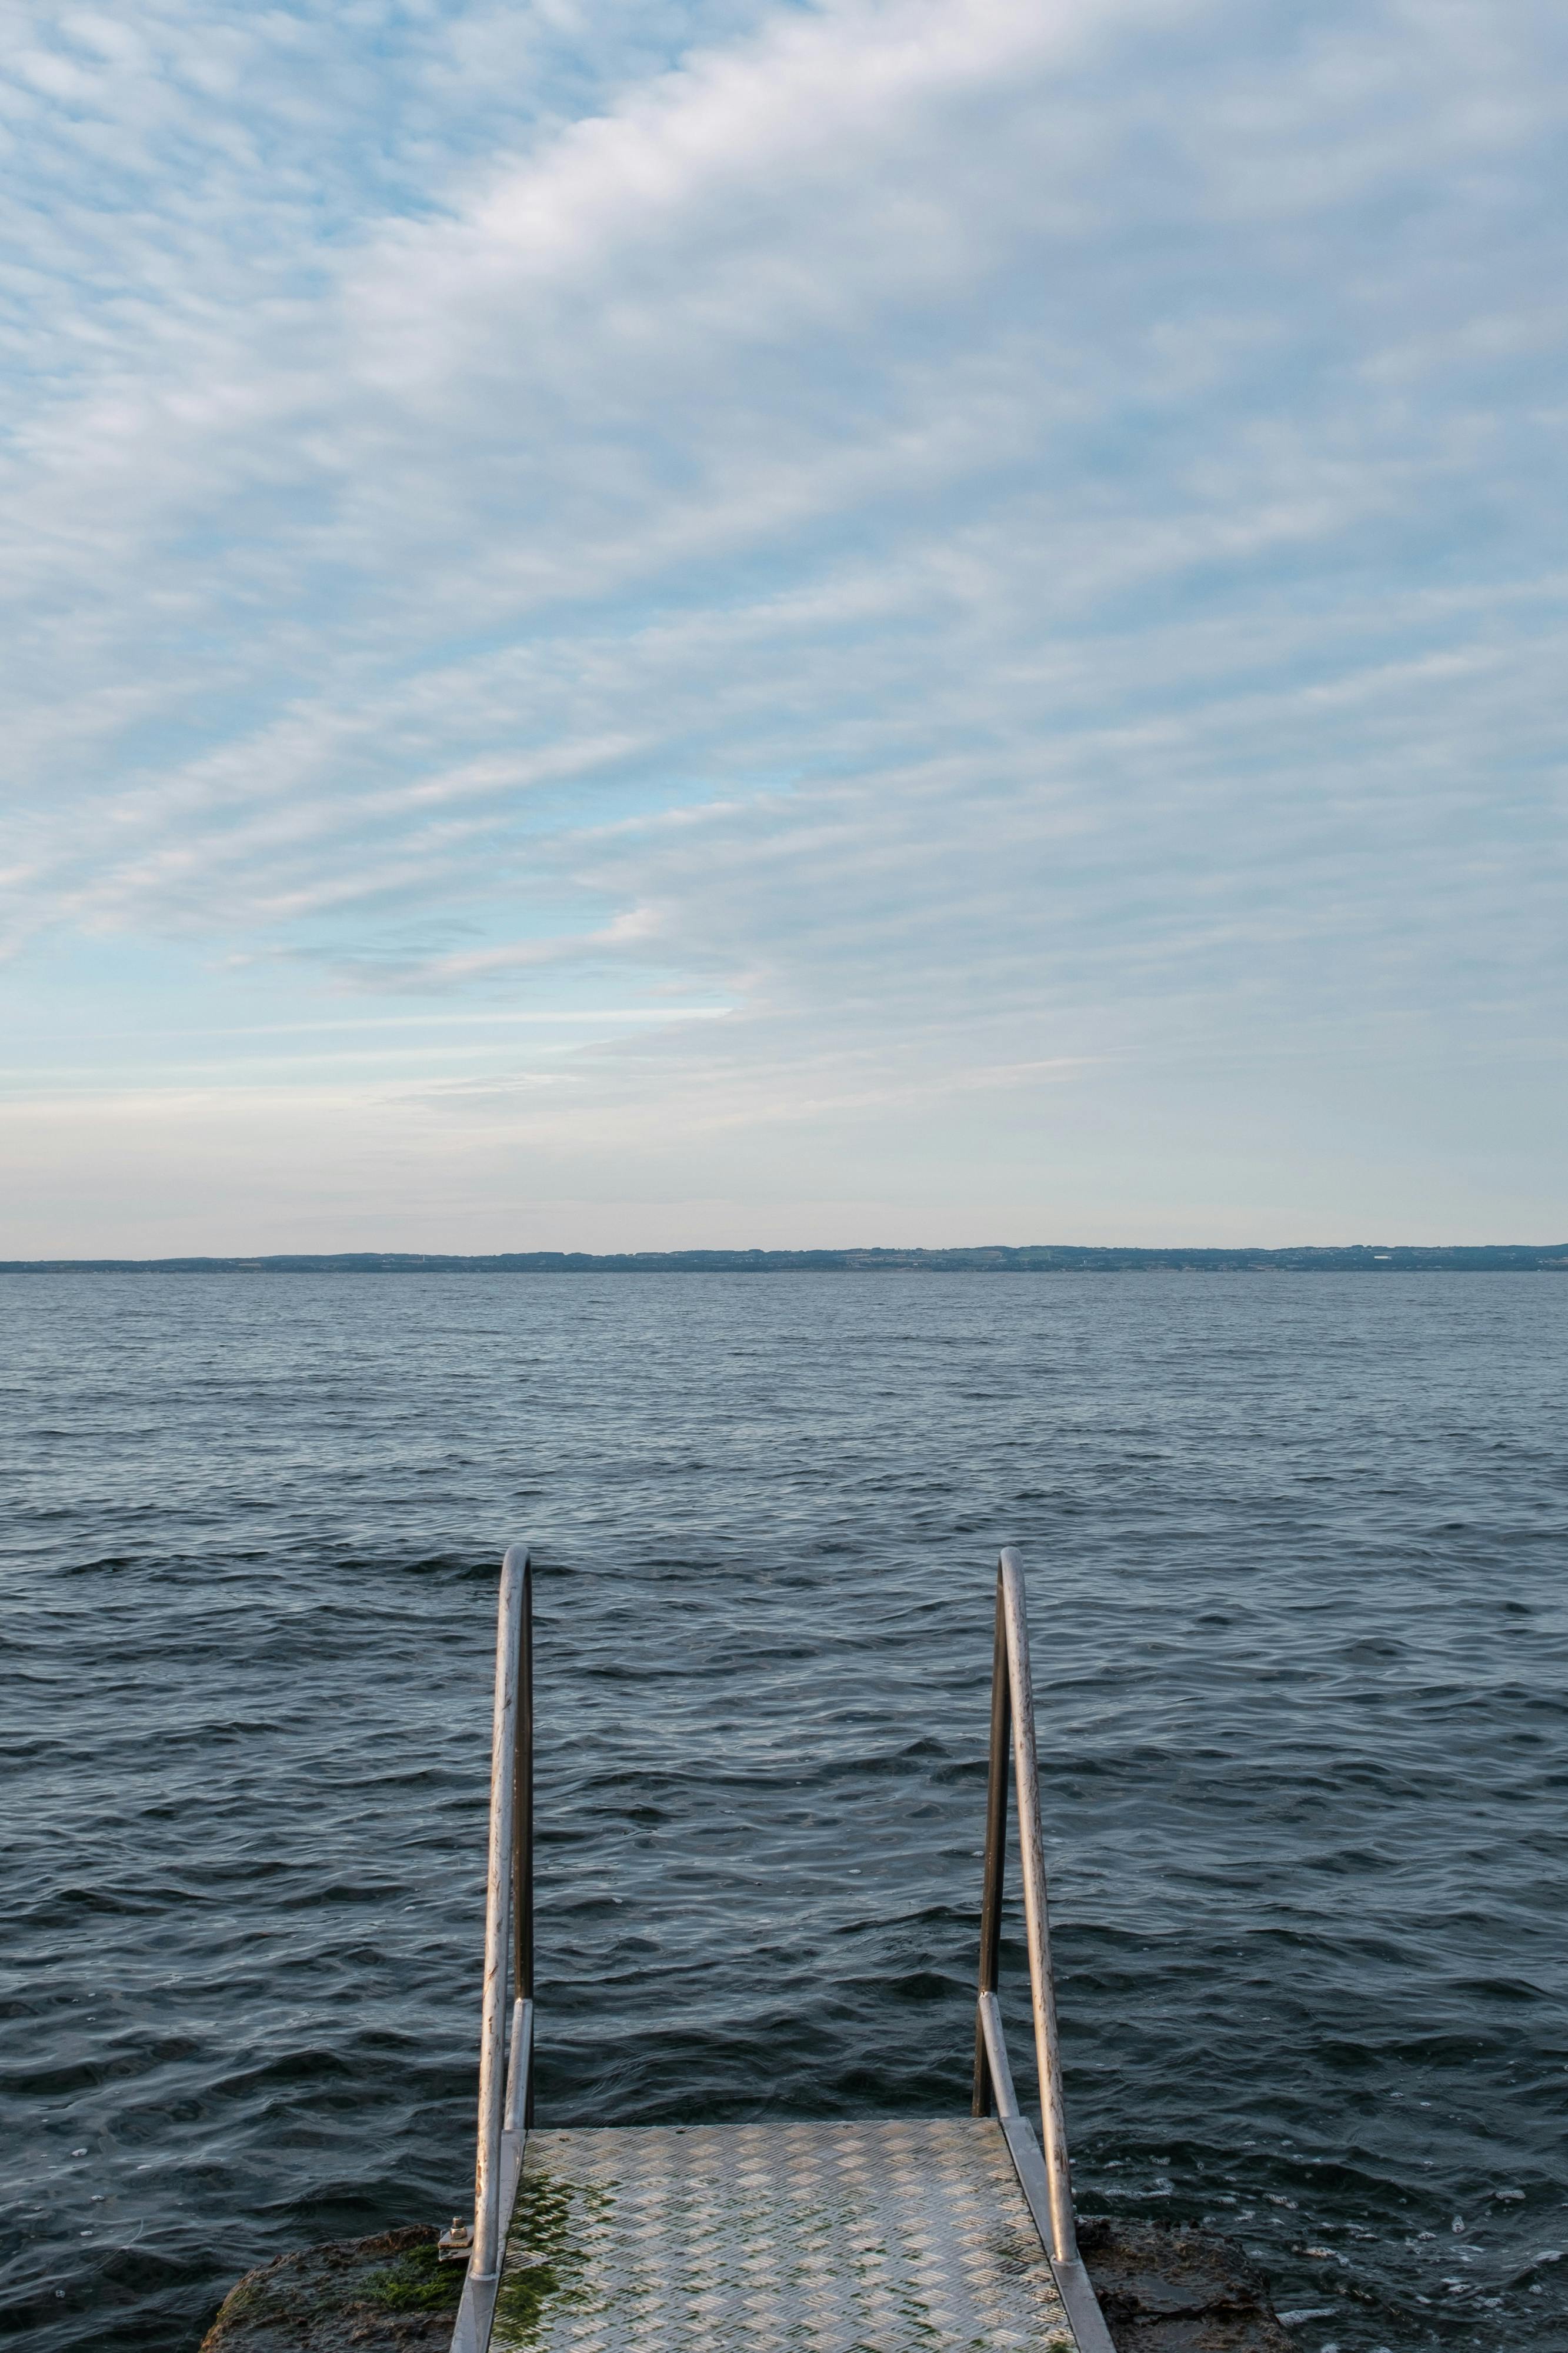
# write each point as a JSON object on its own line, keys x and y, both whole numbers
{"x": 1031, "y": 535}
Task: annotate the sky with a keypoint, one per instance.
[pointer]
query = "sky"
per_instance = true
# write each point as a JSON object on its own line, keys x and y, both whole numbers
{"x": 643, "y": 626}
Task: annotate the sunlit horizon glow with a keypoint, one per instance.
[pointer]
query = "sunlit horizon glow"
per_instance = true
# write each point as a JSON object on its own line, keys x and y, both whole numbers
{"x": 753, "y": 625}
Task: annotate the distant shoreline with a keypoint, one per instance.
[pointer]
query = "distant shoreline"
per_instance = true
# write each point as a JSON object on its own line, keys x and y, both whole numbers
{"x": 1360, "y": 1258}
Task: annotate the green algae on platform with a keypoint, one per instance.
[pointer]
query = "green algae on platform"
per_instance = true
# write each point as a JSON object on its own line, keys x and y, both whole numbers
{"x": 546, "y": 2261}
{"x": 674, "y": 2239}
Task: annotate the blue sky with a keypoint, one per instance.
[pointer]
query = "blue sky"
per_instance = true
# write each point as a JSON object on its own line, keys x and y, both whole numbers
{"x": 639, "y": 626}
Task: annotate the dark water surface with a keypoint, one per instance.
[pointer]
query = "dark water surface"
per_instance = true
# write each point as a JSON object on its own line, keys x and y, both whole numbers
{"x": 1296, "y": 1550}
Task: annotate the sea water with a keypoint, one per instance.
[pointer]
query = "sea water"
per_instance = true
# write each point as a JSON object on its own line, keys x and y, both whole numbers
{"x": 1296, "y": 1549}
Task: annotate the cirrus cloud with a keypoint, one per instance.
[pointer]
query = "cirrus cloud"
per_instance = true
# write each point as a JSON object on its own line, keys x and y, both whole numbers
{"x": 996, "y": 542}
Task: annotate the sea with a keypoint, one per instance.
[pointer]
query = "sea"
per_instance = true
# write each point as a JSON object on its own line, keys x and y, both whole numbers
{"x": 1297, "y": 1548}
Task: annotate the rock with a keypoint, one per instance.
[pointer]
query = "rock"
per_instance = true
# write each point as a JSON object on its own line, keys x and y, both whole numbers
{"x": 1164, "y": 2289}
{"x": 384, "y": 2294}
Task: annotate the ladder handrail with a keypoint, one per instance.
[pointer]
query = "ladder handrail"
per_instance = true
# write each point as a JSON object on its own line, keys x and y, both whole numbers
{"x": 505, "y": 2107}
{"x": 1044, "y": 2180}
{"x": 1012, "y": 1725}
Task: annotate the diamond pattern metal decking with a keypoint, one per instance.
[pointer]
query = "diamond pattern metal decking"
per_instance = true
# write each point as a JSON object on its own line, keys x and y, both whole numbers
{"x": 836, "y": 2237}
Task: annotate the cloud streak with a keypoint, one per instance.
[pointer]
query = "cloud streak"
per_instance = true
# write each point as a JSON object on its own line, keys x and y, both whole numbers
{"x": 992, "y": 539}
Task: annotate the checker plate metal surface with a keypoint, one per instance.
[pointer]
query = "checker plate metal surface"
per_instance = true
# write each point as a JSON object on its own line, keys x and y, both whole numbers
{"x": 881, "y": 2237}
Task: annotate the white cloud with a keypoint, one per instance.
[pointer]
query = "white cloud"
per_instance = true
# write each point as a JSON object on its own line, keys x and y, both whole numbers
{"x": 1031, "y": 533}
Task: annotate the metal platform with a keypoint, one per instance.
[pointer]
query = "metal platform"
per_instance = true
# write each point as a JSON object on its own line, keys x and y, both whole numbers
{"x": 876, "y": 2237}
{"x": 953, "y": 2234}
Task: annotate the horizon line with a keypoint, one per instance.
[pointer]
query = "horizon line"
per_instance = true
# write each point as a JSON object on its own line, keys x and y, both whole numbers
{"x": 870, "y": 1258}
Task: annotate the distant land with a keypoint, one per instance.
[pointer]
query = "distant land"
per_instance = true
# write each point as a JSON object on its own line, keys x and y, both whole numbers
{"x": 1042, "y": 1257}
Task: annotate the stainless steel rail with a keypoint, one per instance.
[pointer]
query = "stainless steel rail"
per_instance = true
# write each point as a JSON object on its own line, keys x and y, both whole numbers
{"x": 1045, "y": 2179}
{"x": 506, "y": 2068}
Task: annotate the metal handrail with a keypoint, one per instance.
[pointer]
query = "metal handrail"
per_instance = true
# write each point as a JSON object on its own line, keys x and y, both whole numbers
{"x": 506, "y": 2069}
{"x": 1046, "y": 2186}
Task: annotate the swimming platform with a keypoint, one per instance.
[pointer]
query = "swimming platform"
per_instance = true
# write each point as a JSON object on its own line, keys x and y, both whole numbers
{"x": 903, "y": 2234}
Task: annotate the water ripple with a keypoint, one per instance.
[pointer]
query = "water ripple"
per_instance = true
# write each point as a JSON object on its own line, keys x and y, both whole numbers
{"x": 1296, "y": 1553}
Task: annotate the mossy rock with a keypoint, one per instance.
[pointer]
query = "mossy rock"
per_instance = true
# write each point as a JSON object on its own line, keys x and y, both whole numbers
{"x": 382, "y": 2294}
{"x": 1166, "y": 2289}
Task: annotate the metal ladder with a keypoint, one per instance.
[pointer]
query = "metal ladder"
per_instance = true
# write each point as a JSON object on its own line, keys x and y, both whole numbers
{"x": 506, "y": 2059}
